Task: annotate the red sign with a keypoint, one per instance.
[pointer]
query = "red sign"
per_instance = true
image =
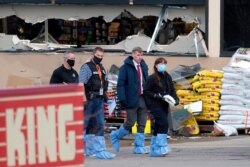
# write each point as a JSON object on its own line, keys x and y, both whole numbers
{"x": 41, "y": 126}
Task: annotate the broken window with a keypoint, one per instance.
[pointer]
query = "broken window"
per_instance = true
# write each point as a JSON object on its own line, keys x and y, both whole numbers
{"x": 131, "y": 27}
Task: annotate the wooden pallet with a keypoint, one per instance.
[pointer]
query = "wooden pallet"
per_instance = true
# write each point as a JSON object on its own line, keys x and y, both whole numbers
{"x": 114, "y": 121}
{"x": 206, "y": 126}
{"x": 244, "y": 131}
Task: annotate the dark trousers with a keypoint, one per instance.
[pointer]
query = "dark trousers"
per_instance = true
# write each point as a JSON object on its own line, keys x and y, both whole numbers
{"x": 160, "y": 114}
{"x": 94, "y": 117}
{"x": 139, "y": 115}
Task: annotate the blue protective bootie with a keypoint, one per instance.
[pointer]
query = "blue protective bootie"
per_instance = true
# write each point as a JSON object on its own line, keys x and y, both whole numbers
{"x": 161, "y": 146}
{"x": 89, "y": 142}
{"x": 152, "y": 144}
{"x": 100, "y": 149}
{"x": 115, "y": 137}
{"x": 139, "y": 144}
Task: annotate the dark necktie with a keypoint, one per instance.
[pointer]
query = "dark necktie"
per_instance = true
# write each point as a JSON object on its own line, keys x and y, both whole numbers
{"x": 139, "y": 78}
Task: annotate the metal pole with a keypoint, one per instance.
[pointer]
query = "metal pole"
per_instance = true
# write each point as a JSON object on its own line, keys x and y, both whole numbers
{"x": 203, "y": 43}
{"x": 158, "y": 26}
{"x": 196, "y": 43}
{"x": 46, "y": 34}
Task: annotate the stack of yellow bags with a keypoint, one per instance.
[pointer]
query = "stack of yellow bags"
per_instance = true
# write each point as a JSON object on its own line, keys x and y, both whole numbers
{"x": 205, "y": 86}
{"x": 208, "y": 86}
{"x": 186, "y": 95}
{"x": 184, "y": 91}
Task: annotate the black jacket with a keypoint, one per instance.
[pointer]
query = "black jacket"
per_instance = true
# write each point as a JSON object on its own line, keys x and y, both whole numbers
{"x": 152, "y": 89}
{"x": 95, "y": 83}
{"x": 62, "y": 75}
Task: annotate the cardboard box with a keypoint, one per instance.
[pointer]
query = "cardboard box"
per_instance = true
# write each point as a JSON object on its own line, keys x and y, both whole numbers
{"x": 14, "y": 80}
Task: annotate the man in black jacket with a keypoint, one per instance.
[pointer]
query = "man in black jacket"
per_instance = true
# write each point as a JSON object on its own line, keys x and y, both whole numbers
{"x": 65, "y": 74}
{"x": 93, "y": 76}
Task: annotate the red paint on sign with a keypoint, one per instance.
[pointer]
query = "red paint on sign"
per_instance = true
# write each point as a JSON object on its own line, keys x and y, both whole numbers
{"x": 41, "y": 126}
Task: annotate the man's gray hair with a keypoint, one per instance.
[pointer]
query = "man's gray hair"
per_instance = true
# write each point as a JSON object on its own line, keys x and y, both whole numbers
{"x": 98, "y": 49}
{"x": 67, "y": 53}
{"x": 137, "y": 49}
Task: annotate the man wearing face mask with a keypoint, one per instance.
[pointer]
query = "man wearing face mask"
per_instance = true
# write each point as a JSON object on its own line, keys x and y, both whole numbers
{"x": 132, "y": 75}
{"x": 65, "y": 74}
{"x": 93, "y": 76}
{"x": 159, "y": 93}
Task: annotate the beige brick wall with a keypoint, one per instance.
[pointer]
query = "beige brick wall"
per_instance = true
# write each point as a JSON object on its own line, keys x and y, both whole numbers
{"x": 39, "y": 66}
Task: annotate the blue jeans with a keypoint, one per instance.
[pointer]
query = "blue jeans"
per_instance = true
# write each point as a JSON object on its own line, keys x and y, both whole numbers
{"x": 94, "y": 117}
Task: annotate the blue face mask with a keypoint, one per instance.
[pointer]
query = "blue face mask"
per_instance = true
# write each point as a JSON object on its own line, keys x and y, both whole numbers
{"x": 161, "y": 67}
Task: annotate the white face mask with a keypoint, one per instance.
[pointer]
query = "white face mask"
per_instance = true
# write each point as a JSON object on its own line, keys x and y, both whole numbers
{"x": 161, "y": 67}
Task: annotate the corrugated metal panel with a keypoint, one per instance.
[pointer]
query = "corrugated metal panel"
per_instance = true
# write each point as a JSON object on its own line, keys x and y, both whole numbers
{"x": 139, "y": 2}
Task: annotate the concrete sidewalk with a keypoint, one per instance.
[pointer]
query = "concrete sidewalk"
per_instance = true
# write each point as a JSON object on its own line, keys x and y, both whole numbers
{"x": 221, "y": 151}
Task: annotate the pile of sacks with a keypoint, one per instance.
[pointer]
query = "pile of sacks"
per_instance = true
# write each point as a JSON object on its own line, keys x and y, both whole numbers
{"x": 208, "y": 86}
{"x": 185, "y": 92}
{"x": 235, "y": 93}
{"x": 205, "y": 86}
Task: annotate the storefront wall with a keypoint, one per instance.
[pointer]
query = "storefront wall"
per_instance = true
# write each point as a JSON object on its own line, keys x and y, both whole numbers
{"x": 214, "y": 28}
{"x": 181, "y": 19}
{"x": 39, "y": 66}
{"x": 214, "y": 24}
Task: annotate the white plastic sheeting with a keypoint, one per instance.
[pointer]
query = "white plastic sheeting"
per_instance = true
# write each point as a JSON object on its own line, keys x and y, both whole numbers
{"x": 182, "y": 45}
{"x": 13, "y": 43}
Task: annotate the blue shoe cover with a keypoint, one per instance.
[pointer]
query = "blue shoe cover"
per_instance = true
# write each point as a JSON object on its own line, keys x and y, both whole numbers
{"x": 115, "y": 137}
{"x": 89, "y": 141}
{"x": 160, "y": 148}
{"x": 139, "y": 144}
{"x": 100, "y": 149}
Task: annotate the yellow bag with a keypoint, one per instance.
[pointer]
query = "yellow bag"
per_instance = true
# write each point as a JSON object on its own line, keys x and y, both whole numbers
{"x": 208, "y": 105}
{"x": 207, "y": 117}
{"x": 209, "y": 78}
{"x": 192, "y": 126}
{"x": 211, "y": 93}
{"x": 209, "y": 111}
{"x": 199, "y": 84}
{"x": 191, "y": 96}
{"x": 201, "y": 90}
{"x": 211, "y": 101}
{"x": 211, "y": 73}
{"x": 211, "y": 86}
{"x": 209, "y": 97}
{"x": 210, "y": 108}
{"x": 194, "y": 79}
{"x": 184, "y": 92}
{"x": 189, "y": 100}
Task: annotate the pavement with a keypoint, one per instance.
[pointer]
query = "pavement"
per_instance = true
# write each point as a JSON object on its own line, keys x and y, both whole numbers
{"x": 198, "y": 151}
